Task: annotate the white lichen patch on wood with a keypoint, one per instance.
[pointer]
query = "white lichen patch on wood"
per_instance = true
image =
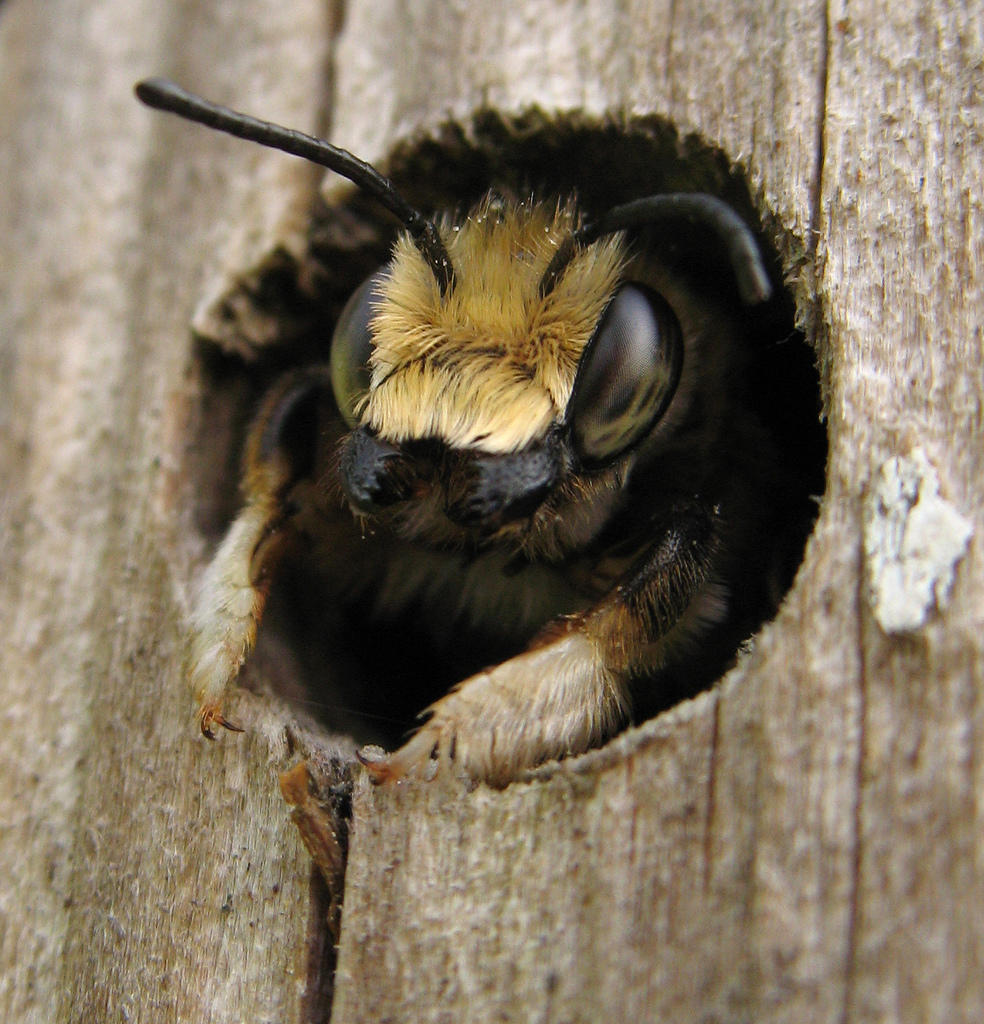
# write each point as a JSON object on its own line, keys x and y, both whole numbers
{"x": 913, "y": 540}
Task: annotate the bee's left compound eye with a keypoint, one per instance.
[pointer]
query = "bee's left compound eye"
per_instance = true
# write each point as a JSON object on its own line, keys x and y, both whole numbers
{"x": 351, "y": 346}
{"x": 627, "y": 375}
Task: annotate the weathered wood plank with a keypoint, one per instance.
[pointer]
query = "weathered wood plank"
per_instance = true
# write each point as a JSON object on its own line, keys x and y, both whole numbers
{"x": 144, "y": 875}
{"x": 810, "y": 827}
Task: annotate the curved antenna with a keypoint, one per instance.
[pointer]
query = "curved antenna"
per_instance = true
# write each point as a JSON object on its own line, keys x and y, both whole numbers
{"x": 162, "y": 94}
{"x": 743, "y": 251}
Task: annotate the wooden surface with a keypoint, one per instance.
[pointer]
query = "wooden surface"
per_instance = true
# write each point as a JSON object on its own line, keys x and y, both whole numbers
{"x": 803, "y": 843}
{"x": 145, "y": 875}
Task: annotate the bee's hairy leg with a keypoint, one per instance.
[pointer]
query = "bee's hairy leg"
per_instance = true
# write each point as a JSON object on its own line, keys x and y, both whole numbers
{"x": 229, "y": 606}
{"x": 550, "y": 701}
{"x": 570, "y": 690}
{"x": 235, "y": 585}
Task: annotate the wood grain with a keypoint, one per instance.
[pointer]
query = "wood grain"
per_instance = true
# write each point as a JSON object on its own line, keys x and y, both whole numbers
{"x": 145, "y": 876}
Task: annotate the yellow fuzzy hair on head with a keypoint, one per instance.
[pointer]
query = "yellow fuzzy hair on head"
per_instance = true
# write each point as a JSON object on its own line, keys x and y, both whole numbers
{"x": 490, "y": 365}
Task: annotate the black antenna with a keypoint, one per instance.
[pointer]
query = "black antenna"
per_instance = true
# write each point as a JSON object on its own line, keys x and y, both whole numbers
{"x": 162, "y": 94}
{"x": 743, "y": 251}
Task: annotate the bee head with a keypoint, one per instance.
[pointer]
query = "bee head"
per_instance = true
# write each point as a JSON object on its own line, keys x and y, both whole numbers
{"x": 492, "y": 408}
{"x": 498, "y": 374}
{"x": 456, "y": 400}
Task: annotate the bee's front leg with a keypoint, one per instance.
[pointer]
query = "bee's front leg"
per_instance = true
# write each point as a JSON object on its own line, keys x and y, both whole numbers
{"x": 570, "y": 690}
{"x": 229, "y": 606}
{"x": 234, "y": 589}
{"x": 550, "y": 701}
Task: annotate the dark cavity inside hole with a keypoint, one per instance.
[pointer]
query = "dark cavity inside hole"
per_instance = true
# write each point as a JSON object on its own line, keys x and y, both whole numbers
{"x": 370, "y": 677}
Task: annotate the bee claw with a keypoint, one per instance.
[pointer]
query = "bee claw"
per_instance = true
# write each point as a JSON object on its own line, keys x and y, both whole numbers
{"x": 210, "y": 716}
{"x": 377, "y": 764}
{"x": 415, "y": 758}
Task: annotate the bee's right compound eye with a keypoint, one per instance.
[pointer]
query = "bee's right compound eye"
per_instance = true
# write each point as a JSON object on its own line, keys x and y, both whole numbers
{"x": 627, "y": 375}
{"x": 351, "y": 346}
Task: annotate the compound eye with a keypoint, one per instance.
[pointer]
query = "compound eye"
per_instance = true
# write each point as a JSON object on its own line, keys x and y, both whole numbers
{"x": 627, "y": 375}
{"x": 351, "y": 346}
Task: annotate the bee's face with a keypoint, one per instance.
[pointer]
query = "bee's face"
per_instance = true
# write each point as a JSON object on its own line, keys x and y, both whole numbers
{"x": 495, "y": 411}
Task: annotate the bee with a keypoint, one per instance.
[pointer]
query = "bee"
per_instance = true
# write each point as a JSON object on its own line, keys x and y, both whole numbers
{"x": 531, "y": 425}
